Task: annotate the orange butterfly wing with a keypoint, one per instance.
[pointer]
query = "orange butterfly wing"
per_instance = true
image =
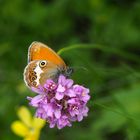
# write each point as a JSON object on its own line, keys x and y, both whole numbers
{"x": 39, "y": 51}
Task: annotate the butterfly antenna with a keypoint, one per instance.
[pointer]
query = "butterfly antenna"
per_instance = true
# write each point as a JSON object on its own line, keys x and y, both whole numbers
{"x": 80, "y": 68}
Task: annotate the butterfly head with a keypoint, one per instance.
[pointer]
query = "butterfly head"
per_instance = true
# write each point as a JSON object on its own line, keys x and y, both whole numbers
{"x": 68, "y": 71}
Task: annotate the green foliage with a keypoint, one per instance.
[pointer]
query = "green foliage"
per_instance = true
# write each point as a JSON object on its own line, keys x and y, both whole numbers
{"x": 101, "y": 41}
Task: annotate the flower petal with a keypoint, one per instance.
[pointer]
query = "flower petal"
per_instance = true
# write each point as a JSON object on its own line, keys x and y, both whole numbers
{"x": 60, "y": 88}
{"x": 19, "y": 128}
{"x": 71, "y": 101}
{"x": 69, "y": 83}
{"x": 61, "y": 79}
{"x": 86, "y": 90}
{"x": 57, "y": 113}
{"x": 25, "y": 115}
{"x": 70, "y": 93}
{"x": 80, "y": 117}
{"x": 52, "y": 124}
{"x": 86, "y": 98}
{"x": 59, "y": 96}
{"x": 35, "y": 100}
{"x": 33, "y": 135}
{"x": 38, "y": 123}
{"x": 38, "y": 90}
{"x": 49, "y": 110}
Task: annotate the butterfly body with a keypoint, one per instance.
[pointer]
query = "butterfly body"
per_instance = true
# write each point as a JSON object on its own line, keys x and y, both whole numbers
{"x": 43, "y": 64}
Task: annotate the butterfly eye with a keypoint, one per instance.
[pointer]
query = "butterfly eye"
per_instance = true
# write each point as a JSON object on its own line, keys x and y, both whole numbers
{"x": 42, "y": 64}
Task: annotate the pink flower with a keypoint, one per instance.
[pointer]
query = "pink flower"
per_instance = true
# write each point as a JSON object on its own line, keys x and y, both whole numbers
{"x": 81, "y": 92}
{"x": 63, "y": 121}
{"x": 63, "y": 85}
{"x": 50, "y": 85}
{"x": 61, "y": 103}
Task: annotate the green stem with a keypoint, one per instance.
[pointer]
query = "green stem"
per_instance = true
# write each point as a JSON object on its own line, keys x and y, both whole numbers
{"x": 78, "y": 46}
{"x": 106, "y": 49}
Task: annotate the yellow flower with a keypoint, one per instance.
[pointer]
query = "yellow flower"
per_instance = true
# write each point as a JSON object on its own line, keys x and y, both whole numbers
{"x": 28, "y": 127}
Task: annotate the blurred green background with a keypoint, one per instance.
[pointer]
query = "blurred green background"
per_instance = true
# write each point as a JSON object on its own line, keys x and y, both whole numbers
{"x": 113, "y": 69}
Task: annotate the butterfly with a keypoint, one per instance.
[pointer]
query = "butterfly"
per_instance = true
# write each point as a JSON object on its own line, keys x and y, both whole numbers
{"x": 43, "y": 64}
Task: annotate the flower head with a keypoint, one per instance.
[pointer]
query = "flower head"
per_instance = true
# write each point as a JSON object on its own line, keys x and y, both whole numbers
{"x": 61, "y": 103}
{"x": 28, "y": 127}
